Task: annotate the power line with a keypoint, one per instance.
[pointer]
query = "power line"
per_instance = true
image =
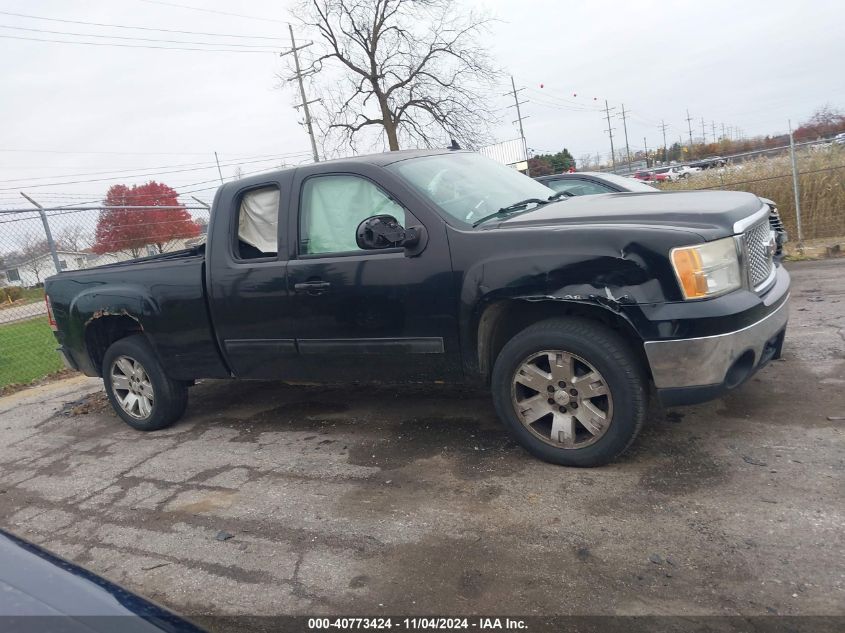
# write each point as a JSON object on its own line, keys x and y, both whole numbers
{"x": 109, "y": 152}
{"x": 198, "y": 165}
{"x": 180, "y": 190}
{"x": 139, "y": 28}
{"x": 234, "y": 15}
{"x": 149, "y": 173}
{"x": 268, "y": 47}
{"x": 558, "y": 106}
{"x": 166, "y": 48}
{"x": 550, "y": 95}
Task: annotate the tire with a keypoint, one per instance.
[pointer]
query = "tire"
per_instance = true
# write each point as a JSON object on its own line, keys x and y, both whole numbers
{"x": 578, "y": 429}
{"x": 152, "y": 400}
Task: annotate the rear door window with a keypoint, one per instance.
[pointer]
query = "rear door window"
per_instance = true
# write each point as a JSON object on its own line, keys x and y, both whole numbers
{"x": 258, "y": 223}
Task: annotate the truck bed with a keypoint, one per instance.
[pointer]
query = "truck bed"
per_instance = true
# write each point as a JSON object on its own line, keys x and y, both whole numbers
{"x": 164, "y": 294}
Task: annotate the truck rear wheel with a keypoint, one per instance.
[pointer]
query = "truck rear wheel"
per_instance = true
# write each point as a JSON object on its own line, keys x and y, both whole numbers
{"x": 139, "y": 390}
{"x": 570, "y": 391}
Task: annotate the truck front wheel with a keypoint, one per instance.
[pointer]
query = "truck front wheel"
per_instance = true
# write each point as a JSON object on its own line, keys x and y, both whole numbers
{"x": 570, "y": 391}
{"x": 145, "y": 397}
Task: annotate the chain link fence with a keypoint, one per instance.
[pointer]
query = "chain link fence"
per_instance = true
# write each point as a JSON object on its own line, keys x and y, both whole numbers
{"x": 819, "y": 172}
{"x": 36, "y": 243}
{"x": 39, "y": 242}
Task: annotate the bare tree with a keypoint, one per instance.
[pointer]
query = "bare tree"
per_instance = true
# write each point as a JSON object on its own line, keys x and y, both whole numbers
{"x": 72, "y": 238}
{"x": 33, "y": 251}
{"x": 408, "y": 72}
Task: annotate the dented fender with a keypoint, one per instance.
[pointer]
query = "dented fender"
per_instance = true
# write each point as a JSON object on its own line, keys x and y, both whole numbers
{"x": 613, "y": 268}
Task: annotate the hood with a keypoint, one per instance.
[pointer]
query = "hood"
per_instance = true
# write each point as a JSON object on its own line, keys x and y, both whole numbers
{"x": 711, "y": 214}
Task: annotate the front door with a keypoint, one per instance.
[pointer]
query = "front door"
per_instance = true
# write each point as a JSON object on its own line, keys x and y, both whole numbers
{"x": 376, "y": 315}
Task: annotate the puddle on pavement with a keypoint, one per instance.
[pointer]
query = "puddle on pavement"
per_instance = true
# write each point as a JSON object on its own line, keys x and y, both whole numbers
{"x": 468, "y": 439}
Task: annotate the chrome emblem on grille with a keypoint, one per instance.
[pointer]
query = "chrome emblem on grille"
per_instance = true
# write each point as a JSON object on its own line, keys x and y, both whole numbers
{"x": 771, "y": 246}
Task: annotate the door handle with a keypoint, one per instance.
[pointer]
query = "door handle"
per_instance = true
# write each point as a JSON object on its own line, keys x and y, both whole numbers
{"x": 312, "y": 287}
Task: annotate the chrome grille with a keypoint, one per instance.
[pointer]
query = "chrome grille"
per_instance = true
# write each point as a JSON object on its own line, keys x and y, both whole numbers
{"x": 780, "y": 230}
{"x": 775, "y": 222}
{"x": 759, "y": 252}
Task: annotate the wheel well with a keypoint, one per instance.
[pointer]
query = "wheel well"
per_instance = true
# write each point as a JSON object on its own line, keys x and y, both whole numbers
{"x": 502, "y": 321}
{"x": 101, "y": 332}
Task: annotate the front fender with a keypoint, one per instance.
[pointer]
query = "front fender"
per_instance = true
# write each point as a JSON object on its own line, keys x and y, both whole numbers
{"x": 611, "y": 270}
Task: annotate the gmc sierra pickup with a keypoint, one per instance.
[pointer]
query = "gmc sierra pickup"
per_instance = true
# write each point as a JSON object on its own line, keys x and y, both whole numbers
{"x": 424, "y": 266}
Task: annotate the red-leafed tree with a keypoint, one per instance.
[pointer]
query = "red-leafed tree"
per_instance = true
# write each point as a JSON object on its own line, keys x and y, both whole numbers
{"x": 124, "y": 227}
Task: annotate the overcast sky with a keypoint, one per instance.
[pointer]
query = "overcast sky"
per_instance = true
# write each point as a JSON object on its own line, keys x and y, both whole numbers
{"x": 70, "y": 109}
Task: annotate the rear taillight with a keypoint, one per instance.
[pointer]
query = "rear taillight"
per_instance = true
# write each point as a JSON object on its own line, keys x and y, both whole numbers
{"x": 50, "y": 317}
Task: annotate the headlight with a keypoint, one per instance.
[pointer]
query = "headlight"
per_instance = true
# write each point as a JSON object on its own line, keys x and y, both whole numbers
{"x": 707, "y": 270}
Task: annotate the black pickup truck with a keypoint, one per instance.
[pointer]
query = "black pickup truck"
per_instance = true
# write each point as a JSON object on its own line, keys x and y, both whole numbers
{"x": 424, "y": 266}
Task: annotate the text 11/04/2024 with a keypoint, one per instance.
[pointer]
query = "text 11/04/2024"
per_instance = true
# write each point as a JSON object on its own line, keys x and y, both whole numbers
{"x": 417, "y": 624}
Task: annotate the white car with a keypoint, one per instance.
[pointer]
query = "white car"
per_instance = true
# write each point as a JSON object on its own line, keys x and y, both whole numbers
{"x": 684, "y": 171}
{"x": 839, "y": 138}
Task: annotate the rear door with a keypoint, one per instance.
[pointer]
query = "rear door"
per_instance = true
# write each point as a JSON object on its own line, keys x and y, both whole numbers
{"x": 247, "y": 279}
{"x": 378, "y": 315}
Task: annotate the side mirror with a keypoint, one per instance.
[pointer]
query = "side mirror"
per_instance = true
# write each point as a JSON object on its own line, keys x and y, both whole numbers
{"x": 384, "y": 231}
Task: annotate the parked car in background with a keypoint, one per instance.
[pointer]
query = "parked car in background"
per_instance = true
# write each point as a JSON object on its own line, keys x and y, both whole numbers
{"x": 584, "y": 183}
{"x": 665, "y": 174}
{"x": 651, "y": 175}
{"x": 590, "y": 183}
{"x": 712, "y": 162}
{"x": 444, "y": 266}
{"x": 684, "y": 171}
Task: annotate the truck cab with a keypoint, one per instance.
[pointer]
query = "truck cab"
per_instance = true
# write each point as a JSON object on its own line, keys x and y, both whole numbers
{"x": 443, "y": 266}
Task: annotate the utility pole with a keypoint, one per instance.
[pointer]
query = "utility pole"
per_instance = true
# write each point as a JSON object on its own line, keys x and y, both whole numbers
{"x": 624, "y": 118}
{"x": 723, "y": 130}
{"x": 609, "y": 130}
{"x": 713, "y": 129}
{"x": 663, "y": 127}
{"x": 689, "y": 126}
{"x": 703, "y": 132}
{"x": 304, "y": 105}
{"x": 50, "y": 243}
{"x": 217, "y": 160}
{"x": 517, "y": 103}
{"x": 795, "y": 188}
{"x": 645, "y": 145}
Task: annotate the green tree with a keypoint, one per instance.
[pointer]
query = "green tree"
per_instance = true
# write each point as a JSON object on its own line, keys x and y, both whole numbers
{"x": 557, "y": 163}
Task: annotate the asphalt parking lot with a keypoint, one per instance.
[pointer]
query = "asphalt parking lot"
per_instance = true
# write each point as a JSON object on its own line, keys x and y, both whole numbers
{"x": 273, "y": 499}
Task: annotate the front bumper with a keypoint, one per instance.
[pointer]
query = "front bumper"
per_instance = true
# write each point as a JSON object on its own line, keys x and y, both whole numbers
{"x": 692, "y": 370}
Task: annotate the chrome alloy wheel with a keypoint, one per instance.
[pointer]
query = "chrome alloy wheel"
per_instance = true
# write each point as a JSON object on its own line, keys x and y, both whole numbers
{"x": 132, "y": 387}
{"x": 562, "y": 399}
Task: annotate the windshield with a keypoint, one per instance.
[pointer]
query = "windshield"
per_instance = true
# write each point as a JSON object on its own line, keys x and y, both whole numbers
{"x": 468, "y": 186}
{"x": 628, "y": 184}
